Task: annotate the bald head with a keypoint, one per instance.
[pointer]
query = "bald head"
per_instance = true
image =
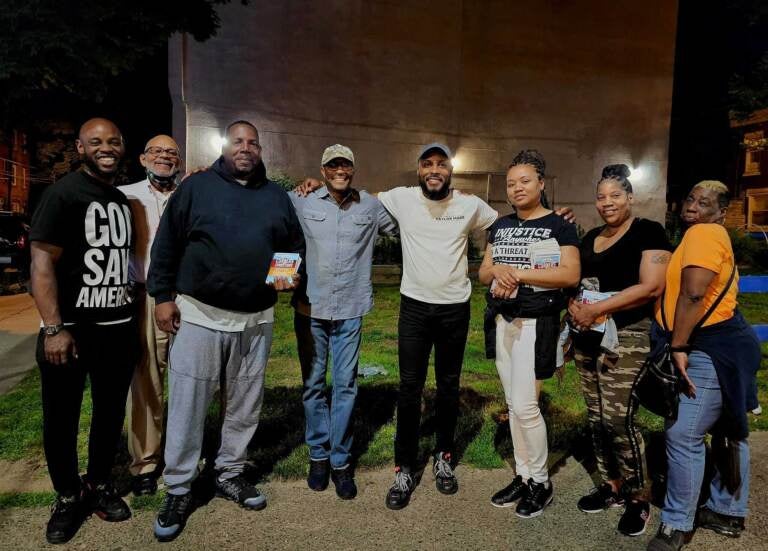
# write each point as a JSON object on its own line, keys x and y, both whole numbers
{"x": 161, "y": 160}
{"x": 161, "y": 140}
{"x": 99, "y": 123}
{"x": 101, "y": 147}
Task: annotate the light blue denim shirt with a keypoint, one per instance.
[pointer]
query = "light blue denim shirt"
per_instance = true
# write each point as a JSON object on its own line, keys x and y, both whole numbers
{"x": 340, "y": 241}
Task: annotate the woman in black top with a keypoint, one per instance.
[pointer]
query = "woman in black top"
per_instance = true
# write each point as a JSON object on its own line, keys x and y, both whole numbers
{"x": 524, "y": 303}
{"x": 627, "y": 256}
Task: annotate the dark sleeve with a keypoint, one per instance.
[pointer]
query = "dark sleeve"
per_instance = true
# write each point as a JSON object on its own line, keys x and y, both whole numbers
{"x": 294, "y": 239}
{"x": 168, "y": 247}
{"x": 49, "y": 222}
{"x": 566, "y": 234}
{"x": 653, "y": 236}
{"x": 492, "y": 231}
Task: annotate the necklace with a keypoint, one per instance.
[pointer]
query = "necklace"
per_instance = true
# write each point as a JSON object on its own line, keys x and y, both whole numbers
{"x": 521, "y": 221}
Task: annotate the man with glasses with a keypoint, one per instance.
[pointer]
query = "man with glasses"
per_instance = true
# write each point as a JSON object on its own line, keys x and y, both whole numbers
{"x": 340, "y": 225}
{"x": 148, "y": 199}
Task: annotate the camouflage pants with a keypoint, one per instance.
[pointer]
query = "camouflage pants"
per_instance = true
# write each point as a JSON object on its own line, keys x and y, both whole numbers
{"x": 606, "y": 383}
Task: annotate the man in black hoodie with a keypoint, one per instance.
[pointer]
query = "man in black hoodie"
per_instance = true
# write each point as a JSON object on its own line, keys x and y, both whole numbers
{"x": 212, "y": 253}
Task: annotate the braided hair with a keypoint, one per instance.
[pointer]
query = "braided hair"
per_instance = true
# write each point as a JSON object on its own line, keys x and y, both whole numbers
{"x": 619, "y": 173}
{"x": 535, "y": 159}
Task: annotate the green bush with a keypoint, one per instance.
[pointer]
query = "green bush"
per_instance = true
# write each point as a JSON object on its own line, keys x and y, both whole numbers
{"x": 387, "y": 250}
{"x": 750, "y": 252}
{"x": 284, "y": 181}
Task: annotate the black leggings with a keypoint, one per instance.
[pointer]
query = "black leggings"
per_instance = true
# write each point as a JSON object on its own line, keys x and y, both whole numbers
{"x": 421, "y": 326}
{"x": 107, "y": 354}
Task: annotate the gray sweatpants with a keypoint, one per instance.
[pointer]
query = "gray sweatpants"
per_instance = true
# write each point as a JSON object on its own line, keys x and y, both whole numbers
{"x": 199, "y": 357}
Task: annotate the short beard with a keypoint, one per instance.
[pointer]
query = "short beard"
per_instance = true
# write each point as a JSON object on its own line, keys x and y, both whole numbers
{"x": 94, "y": 168}
{"x": 239, "y": 174}
{"x": 437, "y": 194}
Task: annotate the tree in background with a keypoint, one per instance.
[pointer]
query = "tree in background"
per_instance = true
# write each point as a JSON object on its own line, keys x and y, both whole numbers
{"x": 57, "y": 54}
{"x": 748, "y": 86}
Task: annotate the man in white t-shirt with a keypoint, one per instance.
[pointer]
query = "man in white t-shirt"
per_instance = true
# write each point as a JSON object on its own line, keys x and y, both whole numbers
{"x": 436, "y": 222}
{"x": 148, "y": 198}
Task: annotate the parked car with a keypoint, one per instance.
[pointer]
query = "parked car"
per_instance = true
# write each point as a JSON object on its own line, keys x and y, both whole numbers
{"x": 14, "y": 247}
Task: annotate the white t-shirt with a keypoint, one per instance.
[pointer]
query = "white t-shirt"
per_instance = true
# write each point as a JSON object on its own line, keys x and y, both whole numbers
{"x": 198, "y": 313}
{"x": 435, "y": 235}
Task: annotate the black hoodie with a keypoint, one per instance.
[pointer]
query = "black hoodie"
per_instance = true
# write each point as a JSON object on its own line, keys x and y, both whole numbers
{"x": 216, "y": 239}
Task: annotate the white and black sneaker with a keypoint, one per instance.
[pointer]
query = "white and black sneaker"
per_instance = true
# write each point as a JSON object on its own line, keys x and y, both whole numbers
{"x": 239, "y": 490}
{"x": 445, "y": 479}
{"x": 539, "y": 496}
{"x": 635, "y": 519}
{"x": 399, "y": 494}
{"x": 508, "y": 495}
{"x": 599, "y": 499}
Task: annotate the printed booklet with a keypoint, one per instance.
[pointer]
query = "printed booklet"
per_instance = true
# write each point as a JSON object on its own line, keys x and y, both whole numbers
{"x": 591, "y": 297}
{"x": 285, "y": 265}
{"x": 544, "y": 254}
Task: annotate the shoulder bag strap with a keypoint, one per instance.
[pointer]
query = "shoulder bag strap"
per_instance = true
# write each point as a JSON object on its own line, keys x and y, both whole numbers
{"x": 718, "y": 299}
{"x": 711, "y": 309}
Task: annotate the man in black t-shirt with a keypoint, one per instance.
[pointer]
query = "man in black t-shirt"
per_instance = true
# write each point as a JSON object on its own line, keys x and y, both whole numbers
{"x": 81, "y": 239}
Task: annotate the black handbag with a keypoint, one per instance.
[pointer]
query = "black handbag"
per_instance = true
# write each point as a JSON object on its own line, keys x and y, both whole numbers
{"x": 658, "y": 385}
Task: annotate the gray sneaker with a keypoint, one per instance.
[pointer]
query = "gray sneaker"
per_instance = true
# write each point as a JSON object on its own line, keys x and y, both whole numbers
{"x": 238, "y": 489}
{"x": 667, "y": 539}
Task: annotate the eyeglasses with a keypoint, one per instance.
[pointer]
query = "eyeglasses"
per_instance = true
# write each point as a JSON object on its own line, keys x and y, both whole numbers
{"x": 155, "y": 151}
{"x": 339, "y": 163}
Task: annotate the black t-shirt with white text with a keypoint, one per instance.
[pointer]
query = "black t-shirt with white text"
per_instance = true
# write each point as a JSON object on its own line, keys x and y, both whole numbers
{"x": 510, "y": 237}
{"x": 618, "y": 266}
{"x": 91, "y": 222}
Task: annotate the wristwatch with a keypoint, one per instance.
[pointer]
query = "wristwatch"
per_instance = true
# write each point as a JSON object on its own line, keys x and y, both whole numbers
{"x": 52, "y": 330}
{"x": 681, "y": 348}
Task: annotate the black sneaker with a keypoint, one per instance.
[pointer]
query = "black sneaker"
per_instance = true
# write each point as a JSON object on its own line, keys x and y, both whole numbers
{"x": 539, "y": 496}
{"x": 238, "y": 489}
{"x": 67, "y": 515}
{"x": 144, "y": 484}
{"x": 507, "y": 496}
{"x": 634, "y": 520}
{"x": 445, "y": 480}
{"x": 667, "y": 539}
{"x": 173, "y": 516}
{"x": 400, "y": 493}
{"x": 344, "y": 482}
{"x": 599, "y": 499}
{"x": 103, "y": 500}
{"x": 725, "y": 525}
{"x": 319, "y": 472}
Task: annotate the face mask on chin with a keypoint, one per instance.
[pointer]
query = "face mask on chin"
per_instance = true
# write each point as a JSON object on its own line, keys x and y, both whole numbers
{"x": 163, "y": 182}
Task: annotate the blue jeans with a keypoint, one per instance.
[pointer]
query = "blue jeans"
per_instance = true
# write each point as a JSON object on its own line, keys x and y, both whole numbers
{"x": 686, "y": 452}
{"x": 329, "y": 430}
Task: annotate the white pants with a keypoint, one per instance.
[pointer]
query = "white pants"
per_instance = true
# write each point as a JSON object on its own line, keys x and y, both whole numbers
{"x": 515, "y": 360}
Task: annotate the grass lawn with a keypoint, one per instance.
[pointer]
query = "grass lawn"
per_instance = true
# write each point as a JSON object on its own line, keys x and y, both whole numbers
{"x": 278, "y": 449}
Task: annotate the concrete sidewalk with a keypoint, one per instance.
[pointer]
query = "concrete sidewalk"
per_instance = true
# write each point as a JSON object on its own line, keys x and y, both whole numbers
{"x": 297, "y": 518}
{"x": 19, "y": 325}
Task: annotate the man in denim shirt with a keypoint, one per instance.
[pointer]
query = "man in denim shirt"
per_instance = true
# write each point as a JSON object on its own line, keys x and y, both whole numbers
{"x": 340, "y": 226}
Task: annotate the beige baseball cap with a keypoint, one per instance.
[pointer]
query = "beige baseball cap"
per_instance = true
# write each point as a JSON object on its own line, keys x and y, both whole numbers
{"x": 337, "y": 151}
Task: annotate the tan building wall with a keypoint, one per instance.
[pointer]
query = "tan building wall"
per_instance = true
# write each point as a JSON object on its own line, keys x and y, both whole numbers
{"x": 587, "y": 83}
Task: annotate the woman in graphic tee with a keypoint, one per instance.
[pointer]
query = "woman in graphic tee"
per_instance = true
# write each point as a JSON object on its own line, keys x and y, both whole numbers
{"x": 627, "y": 256}
{"x": 531, "y": 255}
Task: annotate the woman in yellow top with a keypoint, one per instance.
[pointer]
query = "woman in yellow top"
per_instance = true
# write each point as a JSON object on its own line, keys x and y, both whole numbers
{"x": 717, "y": 363}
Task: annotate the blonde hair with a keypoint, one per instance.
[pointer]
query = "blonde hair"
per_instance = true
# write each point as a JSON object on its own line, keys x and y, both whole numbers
{"x": 718, "y": 187}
